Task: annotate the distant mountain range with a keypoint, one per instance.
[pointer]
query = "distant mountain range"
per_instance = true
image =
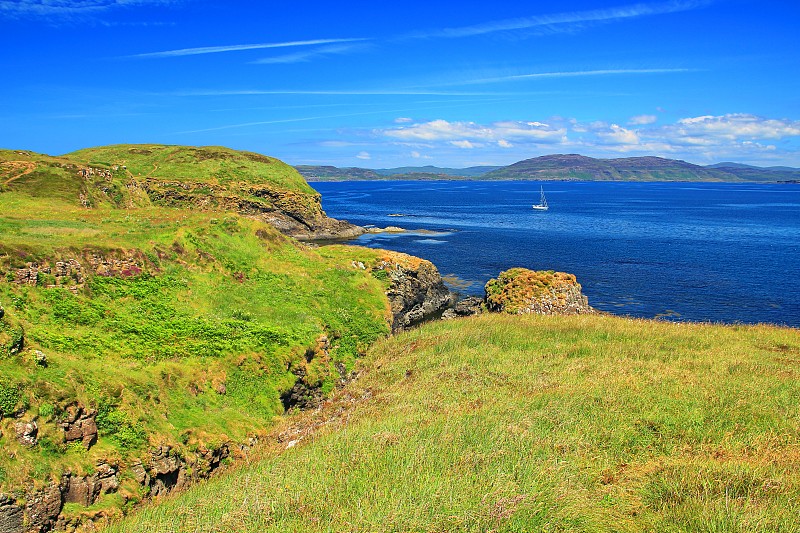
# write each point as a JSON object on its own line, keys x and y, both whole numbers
{"x": 566, "y": 167}
{"x": 429, "y": 172}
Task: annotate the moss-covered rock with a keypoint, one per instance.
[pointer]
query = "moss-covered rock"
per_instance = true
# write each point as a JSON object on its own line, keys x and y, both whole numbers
{"x": 519, "y": 291}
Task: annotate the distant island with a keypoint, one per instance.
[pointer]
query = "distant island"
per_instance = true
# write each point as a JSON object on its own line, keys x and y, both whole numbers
{"x": 566, "y": 167}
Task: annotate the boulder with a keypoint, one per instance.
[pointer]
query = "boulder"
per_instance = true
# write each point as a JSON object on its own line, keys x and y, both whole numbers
{"x": 522, "y": 291}
{"x": 471, "y": 305}
{"x": 26, "y": 433}
{"x": 40, "y": 358}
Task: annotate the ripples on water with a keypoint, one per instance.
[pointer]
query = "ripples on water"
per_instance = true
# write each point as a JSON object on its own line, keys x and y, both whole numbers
{"x": 701, "y": 252}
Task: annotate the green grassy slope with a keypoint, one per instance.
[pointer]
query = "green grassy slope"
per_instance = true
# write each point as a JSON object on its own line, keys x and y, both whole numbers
{"x": 532, "y": 423}
{"x": 190, "y": 344}
{"x": 209, "y": 178}
{"x": 206, "y": 164}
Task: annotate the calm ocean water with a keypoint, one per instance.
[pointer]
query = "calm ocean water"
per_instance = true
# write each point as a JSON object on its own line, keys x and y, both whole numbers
{"x": 700, "y": 252}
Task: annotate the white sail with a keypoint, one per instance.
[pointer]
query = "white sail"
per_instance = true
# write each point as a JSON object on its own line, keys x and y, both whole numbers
{"x": 542, "y": 205}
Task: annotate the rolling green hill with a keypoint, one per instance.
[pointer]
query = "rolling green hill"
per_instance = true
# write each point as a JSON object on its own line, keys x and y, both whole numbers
{"x": 150, "y": 316}
{"x": 531, "y": 423}
{"x": 205, "y": 178}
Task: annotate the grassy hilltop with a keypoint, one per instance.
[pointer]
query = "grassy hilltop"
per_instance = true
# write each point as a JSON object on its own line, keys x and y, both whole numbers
{"x": 532, "y": 423}
{"x": 206, "y": 178}
{"x": 176, "y": 323}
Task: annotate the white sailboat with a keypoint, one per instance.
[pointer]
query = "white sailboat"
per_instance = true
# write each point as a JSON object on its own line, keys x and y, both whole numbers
{"x": 542, "y": 205}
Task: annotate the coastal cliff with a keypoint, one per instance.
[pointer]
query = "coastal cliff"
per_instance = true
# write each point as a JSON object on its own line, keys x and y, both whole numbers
{"x": 417, "y": 291}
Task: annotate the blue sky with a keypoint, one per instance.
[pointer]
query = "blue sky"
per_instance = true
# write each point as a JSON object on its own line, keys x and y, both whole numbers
{"x": 384, "y": 84}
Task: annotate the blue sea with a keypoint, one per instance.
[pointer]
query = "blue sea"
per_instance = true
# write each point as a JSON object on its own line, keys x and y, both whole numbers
{"x": 714, "y": 252}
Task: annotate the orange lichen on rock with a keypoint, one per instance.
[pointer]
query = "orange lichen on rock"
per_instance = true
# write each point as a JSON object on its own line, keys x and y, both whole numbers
{"x": 520, "y": 291}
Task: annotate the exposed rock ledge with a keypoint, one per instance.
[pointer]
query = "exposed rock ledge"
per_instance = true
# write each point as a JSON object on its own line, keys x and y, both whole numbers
{"x": 417, "y": 291}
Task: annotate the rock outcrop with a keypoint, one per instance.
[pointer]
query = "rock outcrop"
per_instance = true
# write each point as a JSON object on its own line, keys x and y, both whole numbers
{"x": 471, "y": 305}
{"x": 167, "y": 471}
{"x": 521, "y": 291}
{"x": 417, "y": 291}
{"x": 85, "y": 490}
{"x": 11, "y": 515}
{"x": 293, "y": 213}
{"x": 80, "y": 425}
{"x": 71, "y": 273}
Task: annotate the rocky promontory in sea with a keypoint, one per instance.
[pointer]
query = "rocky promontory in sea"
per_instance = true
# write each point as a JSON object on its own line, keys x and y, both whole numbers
{"x": 523, "y": 291}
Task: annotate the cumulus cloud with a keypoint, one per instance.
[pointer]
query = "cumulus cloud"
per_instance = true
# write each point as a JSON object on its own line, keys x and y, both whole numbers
{"x": 363, "y": 155}
{"x": 616, "y": 134}
{"x": 443, "y": 130}
{"x": 642, "y": 120}
{"x": 704, "y": 138}
{"x": 738, "y": 126}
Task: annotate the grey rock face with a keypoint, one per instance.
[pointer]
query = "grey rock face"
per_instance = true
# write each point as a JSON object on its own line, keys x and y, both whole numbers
{"x": 417, "y": 291}
{"x": 43, "y": 508}
{"x": 11, "y": 515}
{"x": 166, "y": 471}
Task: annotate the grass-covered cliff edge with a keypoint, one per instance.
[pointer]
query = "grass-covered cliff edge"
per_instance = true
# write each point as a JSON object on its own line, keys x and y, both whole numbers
{"x": 154, "y": 322}
{"x": 155, "y": 325}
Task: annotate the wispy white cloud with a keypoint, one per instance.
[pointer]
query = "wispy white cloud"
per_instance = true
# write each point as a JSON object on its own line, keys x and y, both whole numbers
{"x": 240, "y": 47}
{"x": 343, "y": 92}
{"x": 68, "y": 8}
{"x": 308, "y": 55}
{"x": 568, "y": 21}
{"x": 642, "y": 120}
{"x": 571, "y": 74}
{"x": 363, "y": 155}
